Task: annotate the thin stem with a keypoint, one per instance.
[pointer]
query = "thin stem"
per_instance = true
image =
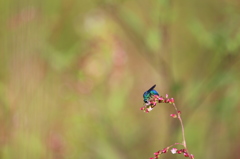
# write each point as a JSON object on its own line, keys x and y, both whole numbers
{"x": 174, "y": 144}
{"x": 183, "y": 134}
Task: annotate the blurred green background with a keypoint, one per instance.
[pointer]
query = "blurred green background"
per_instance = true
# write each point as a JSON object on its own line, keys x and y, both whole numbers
{"x": 72, "y": 75}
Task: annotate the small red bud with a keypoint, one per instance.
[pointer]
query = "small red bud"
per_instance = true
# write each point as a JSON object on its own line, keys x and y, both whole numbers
{"x": 192, "y": 157}
{"x": 173, "y": 115}
{"x": 183, "y": 150}
{"x": 179, "y": 151}
{"x": 186, "y": 154}
{"x": 164, "y": 150}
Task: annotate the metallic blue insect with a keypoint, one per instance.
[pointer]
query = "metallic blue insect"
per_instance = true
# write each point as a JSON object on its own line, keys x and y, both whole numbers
{"x": 149, "y": 93}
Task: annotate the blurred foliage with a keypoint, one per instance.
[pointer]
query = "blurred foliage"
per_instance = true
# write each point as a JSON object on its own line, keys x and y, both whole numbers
{"x": 72, "y": 75}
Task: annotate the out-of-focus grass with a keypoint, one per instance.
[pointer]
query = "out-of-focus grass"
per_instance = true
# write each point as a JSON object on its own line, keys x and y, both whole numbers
{"x": 72, "y": 75}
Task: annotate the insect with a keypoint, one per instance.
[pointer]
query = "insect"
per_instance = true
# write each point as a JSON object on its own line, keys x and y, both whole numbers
{"x": 149, "y": 93}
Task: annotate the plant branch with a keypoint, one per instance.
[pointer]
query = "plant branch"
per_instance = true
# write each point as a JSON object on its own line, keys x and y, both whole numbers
{"x": 183, "y": 133}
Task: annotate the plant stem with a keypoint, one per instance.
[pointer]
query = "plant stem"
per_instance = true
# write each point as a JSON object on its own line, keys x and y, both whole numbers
{"x": 174, "y": 145}
{"x": 183, "y": 134}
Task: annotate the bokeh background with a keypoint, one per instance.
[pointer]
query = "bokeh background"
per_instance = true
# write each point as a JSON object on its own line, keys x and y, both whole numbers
{"x": 72, "y": 75}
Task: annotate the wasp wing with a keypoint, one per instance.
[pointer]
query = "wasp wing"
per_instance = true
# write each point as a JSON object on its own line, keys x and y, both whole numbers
{"x": 152, "y": 88}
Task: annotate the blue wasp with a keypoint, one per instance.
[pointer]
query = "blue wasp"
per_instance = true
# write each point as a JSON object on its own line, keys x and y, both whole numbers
{"x": 149, "y": 93}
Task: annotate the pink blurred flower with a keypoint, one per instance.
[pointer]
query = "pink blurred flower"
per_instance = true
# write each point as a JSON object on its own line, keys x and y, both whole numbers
{"x": 174, "y": 150}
